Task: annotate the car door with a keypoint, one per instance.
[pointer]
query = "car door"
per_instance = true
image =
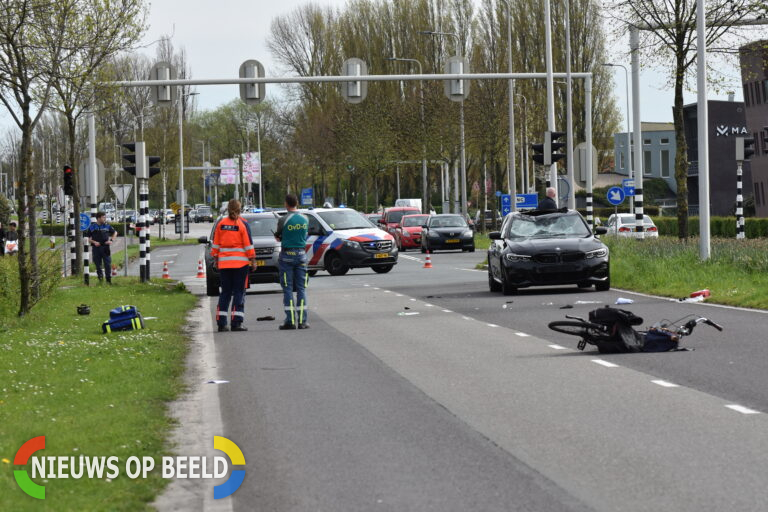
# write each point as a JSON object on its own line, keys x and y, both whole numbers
{"x": 495, "y": 251}
{"x": 316, "y": 235}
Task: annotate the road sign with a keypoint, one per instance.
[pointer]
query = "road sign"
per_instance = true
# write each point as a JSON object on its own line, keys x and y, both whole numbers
{"x": 357, "y": 90}
{"x": 85, "y": 221}
{"x": 580, "y": 164}
{"x": 527, "y": 200}
{"x": 498, "y": 193}
{"x": 162, "y": 95}
{"x": 252, "y": 94}
{"x": 122, "y": 192}
{"x": 457, "y": 90}
{"x": 181, "y": 197}
{"x": 506, "y": 204}
{"x": 629, "y": 187}
{"x": 307, "y": 197}
{"x": 564, "y": 188}
{"x": 615, "y": 195}
{"x": 177, "y": 225}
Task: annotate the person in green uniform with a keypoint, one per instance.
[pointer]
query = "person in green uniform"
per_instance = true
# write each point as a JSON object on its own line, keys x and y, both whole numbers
{"x": 292, "y": 264}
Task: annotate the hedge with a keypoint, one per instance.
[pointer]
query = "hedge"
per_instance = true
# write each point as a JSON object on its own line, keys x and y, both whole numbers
{"x": 604, "y": 213}
{"x": 59, "y": 229}
{"x": 722, "y": 227}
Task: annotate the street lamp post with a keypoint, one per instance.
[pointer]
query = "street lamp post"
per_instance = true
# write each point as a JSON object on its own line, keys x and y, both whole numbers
{"x": 628, "y": 158}
{"x": 424, "y": 180}
{"x": 181, "y": 154}
{"x": 523, "y": 145}
{"x": 261, "y": 160}
{"x": 461, "y": 127}
{"x": 512, "y": 172}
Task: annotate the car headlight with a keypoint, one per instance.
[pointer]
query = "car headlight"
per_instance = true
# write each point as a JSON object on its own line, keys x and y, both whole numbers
{"x": 510, "y": 256}
{"x": 352, "y": 244}
{"x": 406, "y": 234}
{"x": 468, "y": 233}
{"x": 434, "y": 235}
{"x": 597, "y": 253}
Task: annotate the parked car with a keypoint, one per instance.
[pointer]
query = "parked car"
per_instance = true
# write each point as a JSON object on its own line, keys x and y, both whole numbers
{"x": 263, "y": 226}
{"x": 408, "y": 235}
{"x": 374, "y": 218}
{"x": 624, "y": 225}
{"x": 546, "y": 247}
{"x": 490, "y": 219}
{"x": 169, "y": 216}
{"x": 447, "y": 231}
{"x": 390, "y": 220}
{"x": 342, "y": 238}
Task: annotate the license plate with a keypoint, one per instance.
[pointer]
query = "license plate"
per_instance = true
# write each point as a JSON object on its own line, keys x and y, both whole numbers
{"x": 381, "y": 255}
{"x": 453, "y": 241}
{"x": 261, "y": 263}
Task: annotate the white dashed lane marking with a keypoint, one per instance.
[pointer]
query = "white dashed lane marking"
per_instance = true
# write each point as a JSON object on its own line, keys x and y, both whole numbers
{"x": 742, "y": 409}
{"x": 522, "y": 334}
{"x": 447, "y": 311}
{"x": 605, "y": 363}
{"x": 491, "y": 325}
{"x": 665, "y": 384}
{"x": 557, "y": 347}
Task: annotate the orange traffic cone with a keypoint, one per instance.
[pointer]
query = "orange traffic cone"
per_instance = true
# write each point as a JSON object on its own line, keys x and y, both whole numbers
{"x": 428, "y": 262}
{"x": 166, "y": 275}
{"x": 114, "y": 270}
{"x": 200, "y": 269}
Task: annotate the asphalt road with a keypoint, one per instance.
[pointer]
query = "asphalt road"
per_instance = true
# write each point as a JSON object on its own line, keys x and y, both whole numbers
{"x": 421, "y": 390}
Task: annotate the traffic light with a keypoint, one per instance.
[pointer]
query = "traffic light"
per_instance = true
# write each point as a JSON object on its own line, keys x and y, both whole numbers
{"x": 152, "y": 160}
{"x": 137, "y": 159}
{"x": 548, "y": 153}
{"x": 69, "y": 183}
{"x": 745, "y": 148}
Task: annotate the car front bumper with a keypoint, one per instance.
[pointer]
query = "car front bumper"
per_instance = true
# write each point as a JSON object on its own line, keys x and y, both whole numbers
{"x": 529, "y": 273}
{"x": 360, "y": 258}
{"x": 443, "y": 243}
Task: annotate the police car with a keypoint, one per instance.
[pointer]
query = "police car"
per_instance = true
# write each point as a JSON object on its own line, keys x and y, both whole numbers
{"x": 340, "y": 239}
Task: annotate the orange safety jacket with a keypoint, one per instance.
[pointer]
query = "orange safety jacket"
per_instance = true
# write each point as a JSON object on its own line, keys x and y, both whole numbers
{"x": 232, "y": 243}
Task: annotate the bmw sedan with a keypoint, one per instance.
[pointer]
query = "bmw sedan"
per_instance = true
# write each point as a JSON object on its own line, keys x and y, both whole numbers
{"x": 542, "y": 247}
{"x": 447, "y": 232}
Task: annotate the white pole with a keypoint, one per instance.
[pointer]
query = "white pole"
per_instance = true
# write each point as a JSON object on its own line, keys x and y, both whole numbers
{"x": 569, "y": 101}
{"x": 181, "y": 159}
{"x": 261, "y": 160}
{"x": 702, "y": 112}
{"x": 512, "y": 171}
{"x": 634, "y": 42}
{"x": 588, "y": 136}
{"x": 463, "y": 161}
{"x": 552, "y": 180}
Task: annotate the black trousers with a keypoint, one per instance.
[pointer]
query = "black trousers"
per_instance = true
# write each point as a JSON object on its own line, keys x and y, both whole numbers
{"x": 102, "y": 256}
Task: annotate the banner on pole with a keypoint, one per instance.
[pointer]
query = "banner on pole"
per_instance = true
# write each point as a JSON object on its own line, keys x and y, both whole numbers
{"x": 229, "y": 174}
{"x": 251, "y": 167}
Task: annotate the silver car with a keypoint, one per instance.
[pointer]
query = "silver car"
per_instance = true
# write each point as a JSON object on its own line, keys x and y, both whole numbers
{"x": 263, "y": 227}
{"x": 624, "y": 225}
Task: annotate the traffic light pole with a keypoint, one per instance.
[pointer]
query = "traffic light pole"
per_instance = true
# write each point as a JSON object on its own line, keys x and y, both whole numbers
{"x": 143, "y": 231}
{"x": 634, "y": 38}
{"x": 552, "y": 176}
{"x": 588, "y": 136}
{"x": 181, "y": 160}
{"x": 739, "y": 203}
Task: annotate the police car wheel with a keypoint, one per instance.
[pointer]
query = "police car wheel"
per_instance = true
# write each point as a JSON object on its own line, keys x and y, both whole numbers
{"x": 334, "y": 265}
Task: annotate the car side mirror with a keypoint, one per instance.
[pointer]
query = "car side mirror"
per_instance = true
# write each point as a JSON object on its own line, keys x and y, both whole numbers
{"x": 494, "y": 235}
{"x": 600, "y": 230}
{"x": 424, "y": 226}
{"x": 315, "y": 232}
{"x": 202, "y": 240}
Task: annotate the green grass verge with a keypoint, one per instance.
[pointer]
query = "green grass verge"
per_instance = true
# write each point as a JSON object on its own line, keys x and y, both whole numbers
{"x": 736, "y": 274}
{"x": 89, "y": 393}
{"x": 482, "y": 242}
{"x": 118, "y": 257}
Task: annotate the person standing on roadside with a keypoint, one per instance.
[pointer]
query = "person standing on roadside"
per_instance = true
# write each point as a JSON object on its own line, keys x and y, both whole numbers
{"x": 102, "y": 235}
{"x": 548, "y": 203}
{"x": 292, "y": 264}
{"x": 233, "y": 255}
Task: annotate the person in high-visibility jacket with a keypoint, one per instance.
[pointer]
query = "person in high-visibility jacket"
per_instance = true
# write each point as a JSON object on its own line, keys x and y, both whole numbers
{"x": 292, "y": 232}
{"x": 233, "y": 255}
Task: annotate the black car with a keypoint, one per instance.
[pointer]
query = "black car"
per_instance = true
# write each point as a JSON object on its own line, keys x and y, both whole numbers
{"x": 447, "y": 231}
{"x": 545, "y": 247}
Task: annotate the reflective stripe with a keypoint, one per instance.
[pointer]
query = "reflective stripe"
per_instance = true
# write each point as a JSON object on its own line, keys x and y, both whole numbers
{"x": 234, "y": 249}
{"x": 217, "y": 313}
{"x": 285, "y": 279}
{"x": 301, "y": 312}
{"x": 248, "y": 248}
{"x": 293, "y": 315}
{"x": 234, "y": 258}
{"x": 215, "y": 246}
{"x": 238, "y": 313}
{"x": 306, "y": 278}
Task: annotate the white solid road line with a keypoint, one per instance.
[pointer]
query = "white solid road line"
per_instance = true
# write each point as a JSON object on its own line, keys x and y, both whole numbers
{"x": 522, "y": 334}
{"x": 724, "y": 306}
{"x": 491, "y": 325}
{"x": 469, "y": 269}
{"x": 665, "y": 384}
{"x": 742, "y": 409}
{"x": 605, "y": 363}
{"x": 429, "y": 305}
{"x": 447, "y": 311}
{"x": 557, "y": 347}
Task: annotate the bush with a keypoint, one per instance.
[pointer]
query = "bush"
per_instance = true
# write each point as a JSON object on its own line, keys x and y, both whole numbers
{"x": 61, "y": 229}
{"x": 604, "y": 213}
{"x": 720, "y": 227}
{"x": 49, "y": 264}
{"x": 5, "y": 210}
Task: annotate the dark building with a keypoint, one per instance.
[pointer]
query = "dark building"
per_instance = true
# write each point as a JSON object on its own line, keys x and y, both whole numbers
{"x": 754, "y": 78}
{"x": 726, "y": 122}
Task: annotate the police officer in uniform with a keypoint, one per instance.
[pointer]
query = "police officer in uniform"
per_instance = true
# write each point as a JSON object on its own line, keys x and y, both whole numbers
{"x": 233, "y": 255}
{"x": 102, "y": 235}
{"x": 292, "y": 264}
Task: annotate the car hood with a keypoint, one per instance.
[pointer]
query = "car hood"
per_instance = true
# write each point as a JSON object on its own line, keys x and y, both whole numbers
{"x": 364, "y": 235}
{"x": 538, "y": 245}
{"x": 412, "y": 229}
{"x": 265, "y": 241}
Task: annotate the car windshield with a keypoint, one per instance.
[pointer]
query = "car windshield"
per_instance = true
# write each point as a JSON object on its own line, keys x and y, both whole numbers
{"x": 263, "y": 226}
{"x": 630, "y": 219}
{"x": 420, "y": 220}
{"x": 395, "y": 217}
{"x": 449, "y": 221}
{"x": 345, "y": 219}
{"x": 204, "y": 209}
{"x": 547, "y": 226}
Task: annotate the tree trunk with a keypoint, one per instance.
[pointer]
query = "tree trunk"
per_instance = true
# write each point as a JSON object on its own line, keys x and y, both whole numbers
{"x": 681, "y": 158}
{"x": 24, "y": 186}
{"x": 71, "y": 125}
{"x": 34, "y": 267}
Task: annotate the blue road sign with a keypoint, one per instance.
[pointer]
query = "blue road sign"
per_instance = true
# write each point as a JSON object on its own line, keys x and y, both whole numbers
{"x": 498, "y": 193}
{"x": 306, "y": 197}
{"x": 615, "y": 195}
{"x": 506, "y": 204}
{"x": 629, "y": 187}
{"x": 85, "y": 221}
{"x": 527, "y": 200}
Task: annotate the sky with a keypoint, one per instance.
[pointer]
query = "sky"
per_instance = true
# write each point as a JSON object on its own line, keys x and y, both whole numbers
{"x": 220, "y": 35}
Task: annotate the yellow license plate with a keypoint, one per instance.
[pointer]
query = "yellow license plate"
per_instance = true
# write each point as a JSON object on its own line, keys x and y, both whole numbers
{"x": 453, "y": 241}
{"x": 261, "y": 263}
{"x": 381, "y": 255}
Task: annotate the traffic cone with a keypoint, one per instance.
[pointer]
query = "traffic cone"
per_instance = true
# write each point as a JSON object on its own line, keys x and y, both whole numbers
{"x": 428, "y": 262}
{"x": 200, "y": 269}
{"x": 166, "y": 275}
{"x": 114, "y": 270}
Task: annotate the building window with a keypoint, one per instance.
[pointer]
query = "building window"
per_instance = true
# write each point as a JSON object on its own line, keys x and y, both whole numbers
{"x": 746, "y": 94}
{"x": 765, "y": 89}
{"x": 665, "y": 140}
{"x": 647, "y": 167}
{"x": 621, "y": 160}
{"x": 646, "y": 142}
{"x": 665, "y": 163}
{"x": 758, "y": 96}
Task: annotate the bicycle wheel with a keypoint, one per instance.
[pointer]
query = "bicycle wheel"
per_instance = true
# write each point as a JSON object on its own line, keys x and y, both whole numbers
{"x": 577, "y": 328}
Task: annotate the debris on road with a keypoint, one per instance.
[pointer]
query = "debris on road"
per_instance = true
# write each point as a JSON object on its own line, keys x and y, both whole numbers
{"x": 698, "y": 298}
{"x": 217, "y": 382}
{"x": 701, "y": 293}
{"x": 402, "y": 313}
{"x": 580, "y": 302}
{"x": 265, "y": 319}
{"x": 567, "y": 306}
{"x": 622, "y": 300}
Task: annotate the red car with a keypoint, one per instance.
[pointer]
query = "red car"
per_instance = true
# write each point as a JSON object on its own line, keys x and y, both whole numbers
{"x": 392, "y": 216}
{"x": 408, "y": 234}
